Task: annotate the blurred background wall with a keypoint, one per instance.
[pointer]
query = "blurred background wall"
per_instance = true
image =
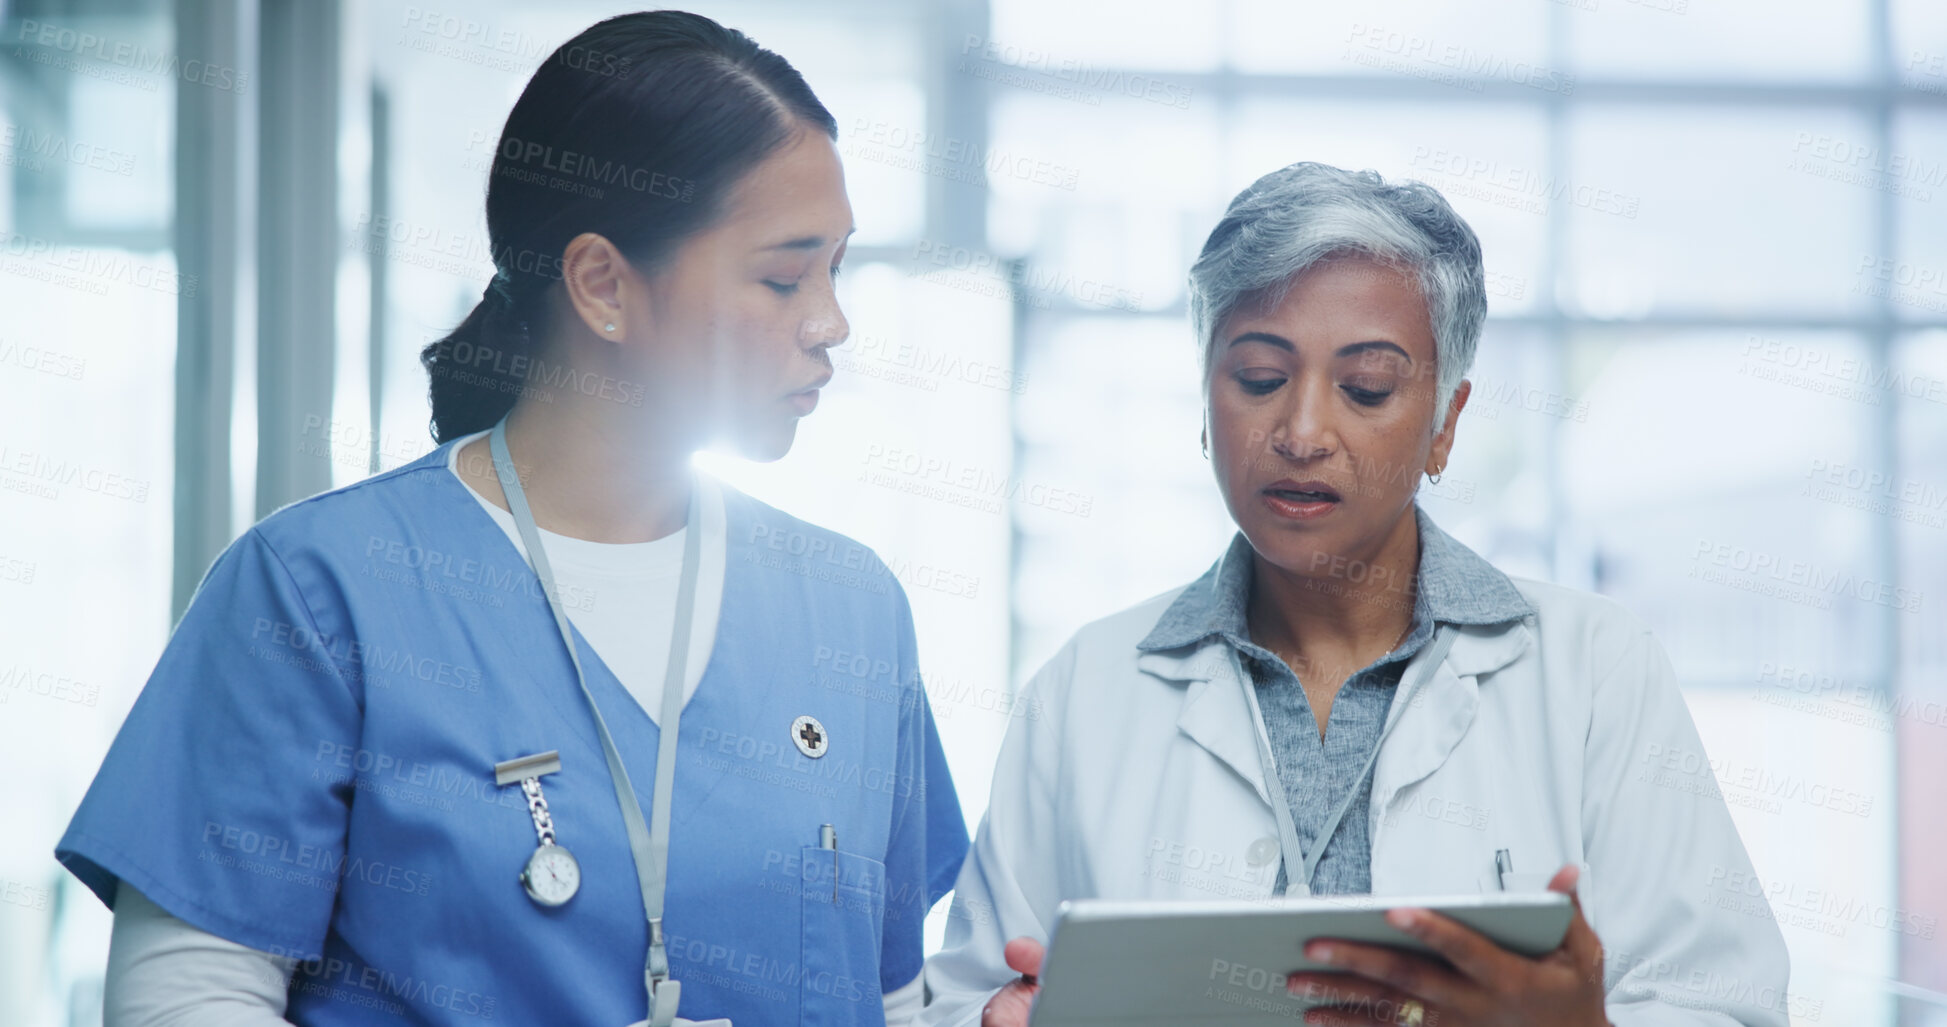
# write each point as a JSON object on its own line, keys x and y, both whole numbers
{"x": 1713, "y": 384}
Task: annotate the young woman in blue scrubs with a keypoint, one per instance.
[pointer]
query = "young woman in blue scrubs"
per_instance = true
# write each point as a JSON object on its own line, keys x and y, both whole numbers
{"x": 383, "y": 772}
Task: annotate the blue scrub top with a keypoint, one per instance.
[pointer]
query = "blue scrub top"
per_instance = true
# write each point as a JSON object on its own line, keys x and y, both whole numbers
{"x": 309, "y": 772}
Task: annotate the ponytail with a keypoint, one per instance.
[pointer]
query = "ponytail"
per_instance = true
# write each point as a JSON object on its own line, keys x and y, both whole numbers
{"x": 478, "y": 370}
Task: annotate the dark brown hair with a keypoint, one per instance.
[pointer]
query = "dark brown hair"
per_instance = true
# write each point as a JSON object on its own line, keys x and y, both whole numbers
{"x": 636, "y": 129}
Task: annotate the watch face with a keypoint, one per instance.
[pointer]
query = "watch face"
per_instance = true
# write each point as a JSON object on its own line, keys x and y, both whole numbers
{"x": 552, "y": 875}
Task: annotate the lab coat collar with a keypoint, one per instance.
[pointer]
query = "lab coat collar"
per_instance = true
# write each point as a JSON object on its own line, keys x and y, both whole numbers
{"x": 1431, "y": 721}
{"x": 1452, "y": 585}
{"x": 1196, "y": 640}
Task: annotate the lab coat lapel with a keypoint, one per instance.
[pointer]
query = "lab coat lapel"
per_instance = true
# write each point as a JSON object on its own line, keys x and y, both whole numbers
{"x": 1430, "y": 723}
{"x": 1214, "y": 714}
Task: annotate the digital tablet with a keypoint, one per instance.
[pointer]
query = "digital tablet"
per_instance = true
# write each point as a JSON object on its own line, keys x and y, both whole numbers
{"x": 1166, "y": 962}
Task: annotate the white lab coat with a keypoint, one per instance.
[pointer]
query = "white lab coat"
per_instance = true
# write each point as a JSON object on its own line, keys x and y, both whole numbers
{"x": 1561, "y": 738}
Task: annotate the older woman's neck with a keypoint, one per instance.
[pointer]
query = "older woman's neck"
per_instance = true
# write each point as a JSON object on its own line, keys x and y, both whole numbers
{"x": 605, "y": 475}
{"x": 1338, "y": 610}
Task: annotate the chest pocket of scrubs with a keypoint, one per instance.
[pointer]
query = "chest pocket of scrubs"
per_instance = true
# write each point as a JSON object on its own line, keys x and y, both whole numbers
{"x": 844, "y": 905}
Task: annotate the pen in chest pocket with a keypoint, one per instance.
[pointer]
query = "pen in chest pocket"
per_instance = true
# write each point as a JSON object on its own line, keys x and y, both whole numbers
{"x": 828, "y": 839}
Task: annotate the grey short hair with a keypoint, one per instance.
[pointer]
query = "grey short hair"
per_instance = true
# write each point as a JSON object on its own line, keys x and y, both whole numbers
{"x": 1301, "y": 215}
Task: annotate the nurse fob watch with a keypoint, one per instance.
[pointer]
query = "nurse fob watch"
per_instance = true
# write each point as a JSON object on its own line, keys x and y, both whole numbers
{"x": 551, "y": 876}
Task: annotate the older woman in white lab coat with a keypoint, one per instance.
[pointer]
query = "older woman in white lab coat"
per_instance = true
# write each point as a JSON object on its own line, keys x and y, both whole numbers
{"x": 1430, "y": 720}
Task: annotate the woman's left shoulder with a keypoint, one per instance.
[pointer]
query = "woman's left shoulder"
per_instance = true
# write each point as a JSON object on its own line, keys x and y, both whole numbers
{"x": 1598, "y": 626}
{"x": 753, "y": 522}
{"x": 780, "y": 542}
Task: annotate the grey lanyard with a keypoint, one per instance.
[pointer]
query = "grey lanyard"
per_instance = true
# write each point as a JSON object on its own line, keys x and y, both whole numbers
{"x": 650, "y": 845}
{"x": 1294, "y": 850}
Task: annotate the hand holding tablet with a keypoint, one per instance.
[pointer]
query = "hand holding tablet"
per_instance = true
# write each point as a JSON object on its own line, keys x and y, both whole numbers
{"x": 1336, "y": 960}
{"x": 1460, "y": 976}
{"x": 1012, "y": 1004}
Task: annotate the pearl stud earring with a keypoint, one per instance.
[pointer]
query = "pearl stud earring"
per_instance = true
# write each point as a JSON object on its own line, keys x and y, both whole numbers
{"x": 609, "y": 327}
